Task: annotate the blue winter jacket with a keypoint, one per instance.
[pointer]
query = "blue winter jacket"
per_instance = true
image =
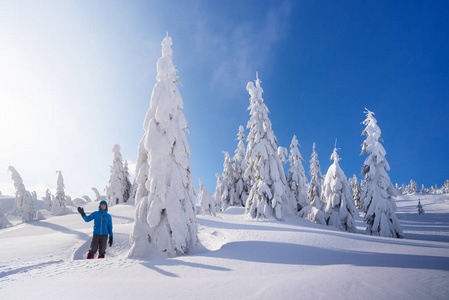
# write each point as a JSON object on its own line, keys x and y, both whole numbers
{"x": 102, "y": 220}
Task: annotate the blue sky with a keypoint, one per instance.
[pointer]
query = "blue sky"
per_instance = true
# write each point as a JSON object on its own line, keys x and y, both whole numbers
{"x": 76, "y": 78}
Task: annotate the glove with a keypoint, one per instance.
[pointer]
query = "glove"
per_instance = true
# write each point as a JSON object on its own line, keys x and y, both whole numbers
{"x": 81, "y": 211}
{"x": 110, "y": 241}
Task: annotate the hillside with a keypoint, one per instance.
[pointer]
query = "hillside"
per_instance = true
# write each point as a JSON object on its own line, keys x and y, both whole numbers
{"x": 242, "y": 259}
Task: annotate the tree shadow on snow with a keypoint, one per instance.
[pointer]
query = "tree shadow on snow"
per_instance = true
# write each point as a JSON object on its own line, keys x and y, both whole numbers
{"x": 155, "y": 265}
{"x": 294, "y": 254}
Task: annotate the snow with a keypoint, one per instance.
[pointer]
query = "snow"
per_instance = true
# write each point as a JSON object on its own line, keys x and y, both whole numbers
{"x": 243, "y": 258}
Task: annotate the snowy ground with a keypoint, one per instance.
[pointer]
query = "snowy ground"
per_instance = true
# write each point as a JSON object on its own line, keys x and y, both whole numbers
{"x": 244, "y": 259}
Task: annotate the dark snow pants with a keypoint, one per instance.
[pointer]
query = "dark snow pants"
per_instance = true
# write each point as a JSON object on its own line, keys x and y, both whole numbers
{"x": 98, "y": 240}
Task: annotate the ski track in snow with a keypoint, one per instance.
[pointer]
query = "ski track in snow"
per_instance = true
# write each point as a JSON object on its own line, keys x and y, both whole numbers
{"x": 240, "y": 258}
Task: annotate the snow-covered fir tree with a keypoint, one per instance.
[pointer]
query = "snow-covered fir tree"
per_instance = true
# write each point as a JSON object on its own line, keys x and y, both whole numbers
{"x": 59, "y": 204}
{"x": 268, "y": 192}
{"x": 128, "y": 185}
{"x": 47, "y": 200}
{"x": 228, "y": 196}
{"x": 420, "y": 208}
{"x": 116, "y": 191}
{"x": 314, "y": 189}
{"x": 165, "y": 220}
{"x": 218, "y": 192}
{"x": 377, "y": 191}
{"x": 297, "y": 180}
{"x": 339, "y": 209}
{"x": 206, "y": 200}
{"x": 241, "y": 184}
{"x": 355, "y": 187}
{"x": 24, "y": 202}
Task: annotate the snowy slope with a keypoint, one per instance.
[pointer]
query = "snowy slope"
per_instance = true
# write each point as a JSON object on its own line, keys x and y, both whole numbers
{"x": 242, "y": 259}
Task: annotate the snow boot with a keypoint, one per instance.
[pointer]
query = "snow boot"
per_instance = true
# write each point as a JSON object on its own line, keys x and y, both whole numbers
{"x": 90, "y": 256}
{"x": 100, "y": 256}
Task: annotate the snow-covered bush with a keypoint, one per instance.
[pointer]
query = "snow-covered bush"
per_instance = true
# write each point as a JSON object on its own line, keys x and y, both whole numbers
{"x": 313, "y": 214}
{"x": 337, "y": 198}
{"x": 24, "y": 202}
{"x": 97, "y": 195}
{"x": 378, "y": 190}
{"x": 165, "y": 220}
{"x": 268, "y": 192}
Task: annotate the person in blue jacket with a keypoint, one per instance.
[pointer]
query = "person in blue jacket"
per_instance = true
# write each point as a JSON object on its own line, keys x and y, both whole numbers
{"x": 102, "y": 228}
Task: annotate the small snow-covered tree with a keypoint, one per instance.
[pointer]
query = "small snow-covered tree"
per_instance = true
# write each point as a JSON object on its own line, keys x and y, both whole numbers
{"x": 339, "y": 210}
{"x": 219, "y": 189}
{"x": 228, "y": 196}
{"x": 205, "y": 200}
{"x": 314, "y": 189}
{"x": 420, "y": 208}
{"x": 297, "y": 180}
{"x": 424, "y": 190}
{"x": 59, "y": 204}
{"x": 128, "y": 185}
{"x": 165, "y": 220}
{"x": 116, "y": 190}
{"x": 47, "y": 200}
{"x": 269, "y": 184}
{"x": 241, "y": 184}
{"x": 3, "y": 219}
{"x": 355, "y": 187}
{"x": 377, "y": 191}
{"x": 24, "y": 202}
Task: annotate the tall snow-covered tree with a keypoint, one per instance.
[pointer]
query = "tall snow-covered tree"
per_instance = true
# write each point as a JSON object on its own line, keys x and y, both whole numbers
{"x": 165, "y": 221}
{"x": 265, "y": 171}
{"x": 47, "y": 200}
{"x": 206, "y": 200}
{"x": 355, "y": 187}
{"x": 59, "y": 204}
{"x": 116, "y": 190}
{"x": 377, "y": 191}
{"x": 24, "y": 202}
{"x": 297, "y": 180}
{"x": 314, "y": 189}
{"x": 228, "y": 196}
{"x": 339, "y": 210}
{"x": 241, "y": 184}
